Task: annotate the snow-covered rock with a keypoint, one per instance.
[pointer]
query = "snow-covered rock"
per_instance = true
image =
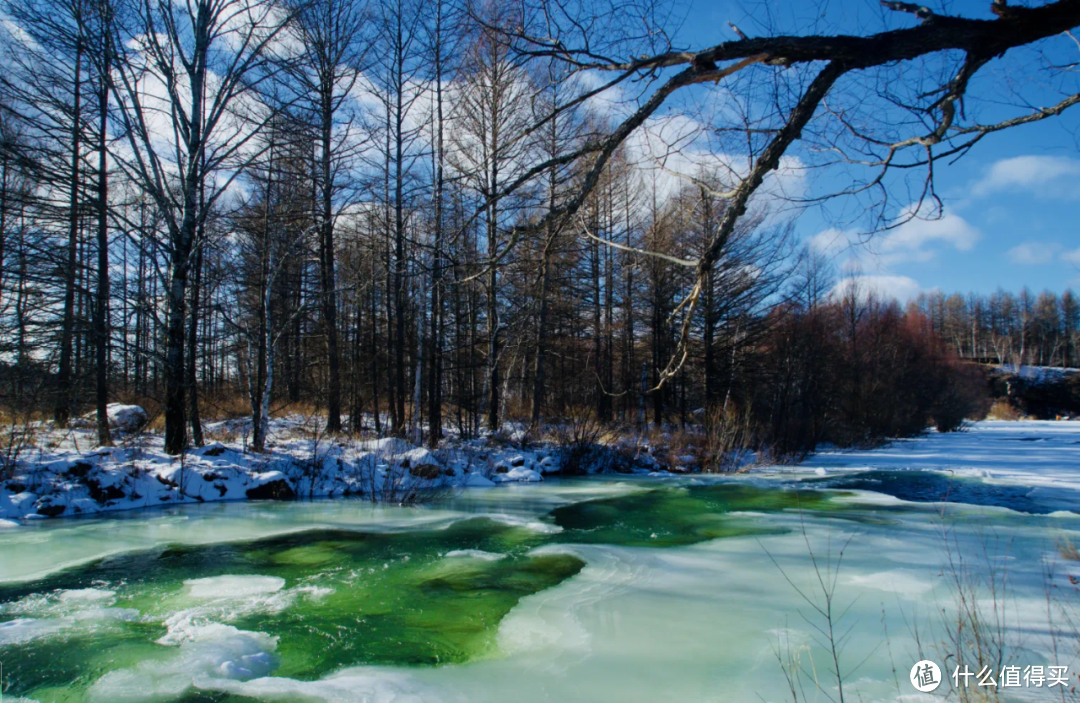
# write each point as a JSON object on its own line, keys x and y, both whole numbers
{"x": 126, "y": 418}
{"x": 475, "y": 480}
{"x": 519, "y": 473}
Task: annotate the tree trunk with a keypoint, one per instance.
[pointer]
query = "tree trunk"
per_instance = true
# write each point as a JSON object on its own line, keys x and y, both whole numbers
{"x": 101, "y": 307}
{"x": 333, "y": 392}
{"x": 62, "y": 413}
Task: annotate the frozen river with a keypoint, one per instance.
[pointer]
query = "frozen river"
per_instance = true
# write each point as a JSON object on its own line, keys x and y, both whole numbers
{"x": 959, "y": 549}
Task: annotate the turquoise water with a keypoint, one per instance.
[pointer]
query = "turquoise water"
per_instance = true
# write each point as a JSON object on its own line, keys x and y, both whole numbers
{"x": 572, "y": 590}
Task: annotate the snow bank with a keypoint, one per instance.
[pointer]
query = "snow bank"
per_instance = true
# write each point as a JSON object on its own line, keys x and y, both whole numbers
{"x": 70, "y": 480}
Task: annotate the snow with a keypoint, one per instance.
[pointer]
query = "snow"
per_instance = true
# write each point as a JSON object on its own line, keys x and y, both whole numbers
{"x": 1041, "y": 454}
{"x": 64, "y": 478}
{"x": 68, "y": 479}
{"x": 519, "y": 473}
{"x": 125, "y": 418}
{"x": 478, "y": 481}
{"x": 1039, "y": 374}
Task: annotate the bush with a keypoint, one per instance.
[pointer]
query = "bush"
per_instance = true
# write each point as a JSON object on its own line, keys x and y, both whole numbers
{"x": 580, "y": 450}
{"x": 964, "y": 395}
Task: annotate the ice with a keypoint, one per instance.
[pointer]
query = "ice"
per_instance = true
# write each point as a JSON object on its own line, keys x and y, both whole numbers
{"x": 474, "y": 554}
{"x": 899, "y": 581}
{"x": 534, "y": 525}
{"x": 208, "y": 653}
{"x": 21, "y": 630}
{"x": 78, "y": 611}
{"x": 636, "y": 625}
{"x": 87, "y": 595}
{"x": 233, "y": 586}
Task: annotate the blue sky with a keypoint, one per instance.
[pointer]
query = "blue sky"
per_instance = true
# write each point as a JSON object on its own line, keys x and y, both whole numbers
{"x": 1012, "y": 205}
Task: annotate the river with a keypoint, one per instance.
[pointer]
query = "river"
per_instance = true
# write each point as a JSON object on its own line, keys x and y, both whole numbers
{"x": 601, "y": 589}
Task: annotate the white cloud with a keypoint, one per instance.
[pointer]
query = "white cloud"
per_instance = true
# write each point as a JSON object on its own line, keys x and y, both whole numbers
{"x": 1052, "y": 176}
{"x": 902, "y": 288}
{"x": 915, "y": 238}
{"x": 1072, "y": 257}
{"x": 830, "y": 242}
{"x": 1033, "y": 253}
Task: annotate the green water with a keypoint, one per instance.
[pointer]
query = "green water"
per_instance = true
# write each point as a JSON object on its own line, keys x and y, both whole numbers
{"x": 149, "y": 624}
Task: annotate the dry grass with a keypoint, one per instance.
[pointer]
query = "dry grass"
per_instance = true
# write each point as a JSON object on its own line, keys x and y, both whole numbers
{"x": 1067, "y": 550}
{"x": 224, "y": 406}
{"x": 1003, "y": 410}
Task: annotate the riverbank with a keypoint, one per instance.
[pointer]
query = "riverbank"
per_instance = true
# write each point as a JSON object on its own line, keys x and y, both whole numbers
{"x": 58, "y": 477}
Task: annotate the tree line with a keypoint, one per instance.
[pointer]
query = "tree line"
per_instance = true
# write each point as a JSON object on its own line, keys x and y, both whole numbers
{"x": 1007, "y": 328}
{"x": 413, "y": 215}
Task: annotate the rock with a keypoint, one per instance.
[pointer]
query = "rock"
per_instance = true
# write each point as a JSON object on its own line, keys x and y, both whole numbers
{"x": 104, "y": 495}
{"x": 79, "y": 469}
{"x": 51, "y": 510}
{"x": 278, "y": 489}
{"x": 517, "y": 461}
{"x": 549, "y": 465}
{"x": 215, "y": 449}
{"x": 126, "y": 418}
{"x": 426, "y": 471}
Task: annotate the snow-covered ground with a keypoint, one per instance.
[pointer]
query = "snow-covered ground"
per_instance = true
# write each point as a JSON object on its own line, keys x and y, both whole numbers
{"x": 1039, "y": 374}
{"x": 59, "y": 476}
{"x": 68, "y": 480}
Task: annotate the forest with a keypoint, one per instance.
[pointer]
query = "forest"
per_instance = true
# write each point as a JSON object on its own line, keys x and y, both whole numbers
{"x": 415, "y": 218}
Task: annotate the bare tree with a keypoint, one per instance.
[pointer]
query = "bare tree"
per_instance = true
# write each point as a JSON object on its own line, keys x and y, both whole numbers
{"x": 490, "y": 151}
{"x": 186, "y": 97}
{"x": 331, "y": 36}
{"x": 804, "y": 72}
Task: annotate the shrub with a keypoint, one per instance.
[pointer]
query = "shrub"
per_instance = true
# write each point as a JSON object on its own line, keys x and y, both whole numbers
{"x": 964, "y": 395}
{"x": 579, "y": 448}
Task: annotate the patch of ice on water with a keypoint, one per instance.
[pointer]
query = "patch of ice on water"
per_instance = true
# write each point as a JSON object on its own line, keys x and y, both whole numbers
{"x": 86, "y": 595}
{"x": 46, "y": 615}
{"x": 474, "y": 554}
{"x": 900, "y": 581}
{"x": 534, "y": 525}
{"x": 23, "y": 630}
{"x": 208, "y": 653}
{"x": 230, "y": 586}
{"x": 365, "y": 684}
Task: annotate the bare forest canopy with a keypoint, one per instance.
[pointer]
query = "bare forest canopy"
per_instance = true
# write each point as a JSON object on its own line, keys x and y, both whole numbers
{"x": 1007, "y": 329}
{"x": 417, "y": 215}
